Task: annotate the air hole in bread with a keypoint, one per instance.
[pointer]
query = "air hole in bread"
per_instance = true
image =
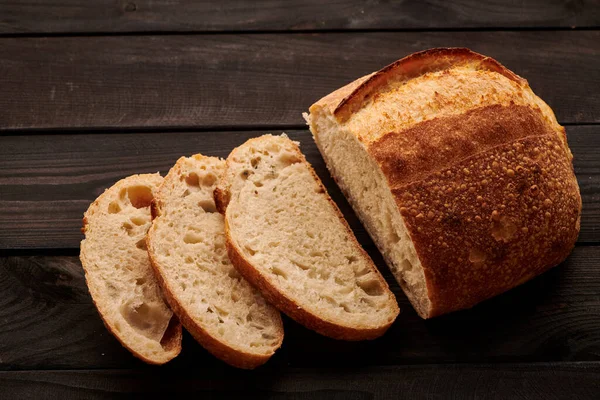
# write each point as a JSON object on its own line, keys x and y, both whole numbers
{"x": 128, "y": 228}
{"x": 193, "y": 180}
{"x": 209, "y": 310}
{"x": 192, "y": 238}
{"x": 137, "y": 220}
{"x": 254, "y": 162}
{"x": 287, "y": 159}
{"x": 235, "y": 297}
{"x": 358, "y": 272}
{"x": 250, "y": 250}
{"x": 140, "y": 196}
{"x": 189, "y": 260}
{"x": 279, "y": 272}
{"x": 345, "y": 307}
{"x": 245, "y": 174}
{"x": 329, "y": 300}
{"x": 300, "y": 265}
{"x": 196, "y": 283}
{"x": 310, "y": 235}
{"x": 233, "y": 274}
{"x": 114, "y": 207}
{"x": 143, "y": 318}
{"x": 267, "y": 336}
{"x": 209, "y": 180}
{"x": 316, "y": 254}
{"x": 368, "y": 302}
{"x": 351, "y": 259}
{"x": 371, "y": 287}
{"x": 183, "y": 286}
{"x": 207, "y": 205}
{"x": 406, "y": 266}
{"x": 141, "y": 244}
{"x": 258, "y": 184}
{"x": 221, "y": 312}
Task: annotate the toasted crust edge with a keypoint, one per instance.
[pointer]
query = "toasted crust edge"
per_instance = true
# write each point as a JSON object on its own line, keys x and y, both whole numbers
{"x": 282, "y": 302}
{"x": 414, "y": 65}
{"x": 173, "y": 333}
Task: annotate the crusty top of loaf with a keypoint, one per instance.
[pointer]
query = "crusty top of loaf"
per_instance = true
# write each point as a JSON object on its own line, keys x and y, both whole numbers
{"x": 427, "y": 85}
{"x": 477, "y": 163}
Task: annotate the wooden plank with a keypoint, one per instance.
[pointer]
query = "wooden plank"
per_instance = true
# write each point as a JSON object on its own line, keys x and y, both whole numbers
{"x": 48, "y": 181}
{"x": 257, "y": 80}
{"x": 69, "y": 16}
{"x": 498, "y": 381}
{"x": 47, "y": 321}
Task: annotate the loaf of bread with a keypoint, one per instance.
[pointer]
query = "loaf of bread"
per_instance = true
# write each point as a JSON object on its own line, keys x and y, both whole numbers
{"x": 287, "y": 237}
{"x": 459, "y": 172}
{"x": 118, "y": 272}
{"x": 186, "y": 244}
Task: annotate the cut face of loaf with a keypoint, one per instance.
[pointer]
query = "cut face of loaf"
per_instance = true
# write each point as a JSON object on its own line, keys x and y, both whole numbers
{"x": 287, "y": 237}
{"x": 186, "y": 245}
{"x": 118, "y": 271}
{"x": 460, "y": 173}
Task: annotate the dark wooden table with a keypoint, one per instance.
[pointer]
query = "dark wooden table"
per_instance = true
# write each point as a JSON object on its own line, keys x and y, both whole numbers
{"x": 91, "y": 92}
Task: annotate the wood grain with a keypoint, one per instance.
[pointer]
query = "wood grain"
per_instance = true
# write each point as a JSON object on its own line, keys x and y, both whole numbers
{"x": 47, "y": 321}
{"x": 498, "y": 381}
{"x": 254, "y": 80}
{"x": 48, "y": 181}
{"x": 68, "y": 16}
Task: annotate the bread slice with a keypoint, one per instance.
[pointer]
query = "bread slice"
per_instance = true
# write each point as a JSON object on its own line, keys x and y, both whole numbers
{"x": 287, "y": 237}
{"x": 118, "y": 271}
{"x": 460, "y": 173}
{"x": 186, "y": 245}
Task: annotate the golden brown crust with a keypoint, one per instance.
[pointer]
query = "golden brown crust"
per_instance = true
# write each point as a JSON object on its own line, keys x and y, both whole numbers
{"x": 412, "y": 158}
{"x": 415, "y": 153}
{"x": 236, "y": 358}
{"x": 410, "y": 67}
{"x": 493, "y": 221}
{"x": 278, "y": 299}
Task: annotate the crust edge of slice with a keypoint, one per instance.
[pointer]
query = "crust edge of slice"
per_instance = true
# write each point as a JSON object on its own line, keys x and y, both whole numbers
{"x": 312, "y": 321}
{"x": 217, "y": 348}
{"x": 173, "y": 334}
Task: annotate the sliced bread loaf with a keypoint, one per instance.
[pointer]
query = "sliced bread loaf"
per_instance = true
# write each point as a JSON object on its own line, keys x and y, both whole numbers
{"x": 460, "y": 173}
{"x": 118, "y": 271}
{"x": 287, "y": 237}
{"x": 186, "y": 245}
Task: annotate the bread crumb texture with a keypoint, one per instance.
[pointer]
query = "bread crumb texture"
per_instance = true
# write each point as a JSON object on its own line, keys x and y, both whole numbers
{"x": 285, "y": 225}
{"x": 187, "y": 247}
{"x": 119, "y": 274}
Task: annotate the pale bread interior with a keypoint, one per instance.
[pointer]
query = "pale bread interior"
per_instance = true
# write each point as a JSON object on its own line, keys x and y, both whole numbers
{"x": 118, "y": 271}
{"x": 283, "y": 222}
{"x": 187, "y": 245}
{"x": 365, "y": 187}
